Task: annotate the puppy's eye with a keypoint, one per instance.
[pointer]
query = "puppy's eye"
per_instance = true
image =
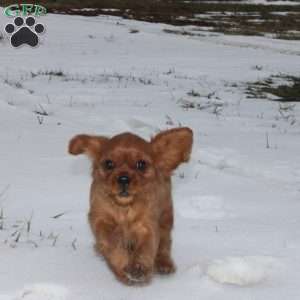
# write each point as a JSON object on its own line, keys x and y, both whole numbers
{"x": 141, "y": 165}
{"x": 109, "y": 164}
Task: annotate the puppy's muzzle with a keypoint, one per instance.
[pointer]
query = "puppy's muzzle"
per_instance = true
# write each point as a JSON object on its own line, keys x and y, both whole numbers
{"x": 123, "y": 182}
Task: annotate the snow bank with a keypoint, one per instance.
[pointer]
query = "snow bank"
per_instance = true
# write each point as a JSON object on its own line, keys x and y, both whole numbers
{"x": 247, "y": 270}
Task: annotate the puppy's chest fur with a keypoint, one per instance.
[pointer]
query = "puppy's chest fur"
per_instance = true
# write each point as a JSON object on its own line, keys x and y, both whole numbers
{"x": 125, "y": 216}
{"x": 129, "y": 220}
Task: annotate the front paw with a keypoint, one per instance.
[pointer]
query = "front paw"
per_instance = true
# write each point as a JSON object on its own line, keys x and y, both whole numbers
{"x": 137, "y": 273}
{"x": 165, "y": 265}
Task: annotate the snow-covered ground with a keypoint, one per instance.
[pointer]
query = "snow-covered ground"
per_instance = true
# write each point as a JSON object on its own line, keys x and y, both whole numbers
{"x": 237, "y": 202}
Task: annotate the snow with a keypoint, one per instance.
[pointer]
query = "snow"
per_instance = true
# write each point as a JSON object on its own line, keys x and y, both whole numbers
{"x": 241, "y": 270}
{"x": 43, "y": 291}
{"x": 236, "y": 202}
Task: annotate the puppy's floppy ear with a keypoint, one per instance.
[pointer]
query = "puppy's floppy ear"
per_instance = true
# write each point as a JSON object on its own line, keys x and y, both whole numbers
{"x": 172, "y": 147}
{"x": 87, "y": 144}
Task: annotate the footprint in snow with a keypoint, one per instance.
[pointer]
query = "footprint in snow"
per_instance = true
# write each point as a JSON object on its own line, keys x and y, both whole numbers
{"x": 242, "y": 271}
{"x": 42, "y": 292}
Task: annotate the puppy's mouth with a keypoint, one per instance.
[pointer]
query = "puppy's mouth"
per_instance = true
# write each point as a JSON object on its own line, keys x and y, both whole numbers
{"x": 124, "y": 192}
{"x": 123, "y": 198}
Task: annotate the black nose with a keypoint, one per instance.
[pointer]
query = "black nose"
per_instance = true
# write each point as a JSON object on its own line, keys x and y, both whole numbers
{"x": 123, "y": 180}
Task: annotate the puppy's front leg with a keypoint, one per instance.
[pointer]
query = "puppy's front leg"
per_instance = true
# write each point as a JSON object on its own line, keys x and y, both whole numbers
{"x": 143, "y": 252}
{"x": 109, "y": 242}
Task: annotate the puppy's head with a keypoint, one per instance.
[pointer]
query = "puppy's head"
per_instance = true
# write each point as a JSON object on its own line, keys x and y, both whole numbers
{"x": 127, "y": 165}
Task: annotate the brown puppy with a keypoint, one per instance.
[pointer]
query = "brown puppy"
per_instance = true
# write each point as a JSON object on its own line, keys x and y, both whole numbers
{"x": 131, "y": 213}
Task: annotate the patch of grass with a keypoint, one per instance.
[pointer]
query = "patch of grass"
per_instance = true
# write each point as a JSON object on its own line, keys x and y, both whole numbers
{"x": 13, "y": 83}
{"x": 193, "y": 93}
{"x": 288, "y": 36}
{"x": 40, "y": 110}
{"x": 118, "y": 78}
{"x": 57, "y": 73}
{"x": 215, "y": 106}
{"x": 182, "y": 32}
{"x": 278, "y": 25}
{"x": 134, "y": 31}
{"x": 283, "y": 92}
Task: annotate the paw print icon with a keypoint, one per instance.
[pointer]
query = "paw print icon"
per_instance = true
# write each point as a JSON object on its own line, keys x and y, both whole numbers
{"x": 24, "y": 31}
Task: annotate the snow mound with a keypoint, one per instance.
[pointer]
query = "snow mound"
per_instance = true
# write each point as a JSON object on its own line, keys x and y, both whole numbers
{"x": 241, "y": 271}
{"x": 43, "y": 292}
